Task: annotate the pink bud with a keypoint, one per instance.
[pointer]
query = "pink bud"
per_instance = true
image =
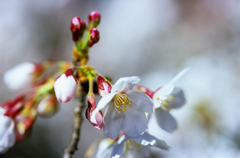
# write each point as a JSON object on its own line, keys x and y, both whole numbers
{"x": 103, "y": 86}
{"x": 10, "y": 103}
{"x": 65, "y": 87}
{"x": 144, "y": 90}
{"x": 94, "y": 18}
{"x": 77, "y": 27}
{"x": 96, "y": 120}
{"x": 94, "y": 35}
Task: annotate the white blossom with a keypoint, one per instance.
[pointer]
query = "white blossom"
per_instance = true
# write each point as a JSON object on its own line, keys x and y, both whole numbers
{"x": 124, "y": 109}
{"x": 20, "y": 76}
{"x": 7, "y": 134}
{"x": 166, "y": 98}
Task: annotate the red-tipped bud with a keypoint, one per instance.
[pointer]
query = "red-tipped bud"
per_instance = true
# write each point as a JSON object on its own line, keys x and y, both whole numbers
{"x": 76, "y": 28}
{"x": 144, "y": 90}
{"x": 48, "y": 106}
{"x": 103, "y": 86}
{"x": 65, "y": 87}
{"x": 25, "y": 111}
{"x": 94, "y": 19}
{"x": 97, "y": 120}
{"x": 94, "y": 35}
{"x": 10, "y": 103}
{"x": 14, "y": 109}
{"x": 23, "y": 128}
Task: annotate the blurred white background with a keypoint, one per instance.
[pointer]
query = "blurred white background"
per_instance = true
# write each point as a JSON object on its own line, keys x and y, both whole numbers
{"x": 153, "y": 39}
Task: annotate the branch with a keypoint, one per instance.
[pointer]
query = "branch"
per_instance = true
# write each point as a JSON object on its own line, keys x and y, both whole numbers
{"x": 78, "y": 119}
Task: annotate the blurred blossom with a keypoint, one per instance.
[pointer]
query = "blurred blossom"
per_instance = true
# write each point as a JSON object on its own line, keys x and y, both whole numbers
{"x": 22, "y": 76}
{"x": 7, "y": 131}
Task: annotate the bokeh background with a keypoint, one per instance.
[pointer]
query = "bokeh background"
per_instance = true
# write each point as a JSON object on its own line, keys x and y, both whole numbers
{"x": 153, "y": 39}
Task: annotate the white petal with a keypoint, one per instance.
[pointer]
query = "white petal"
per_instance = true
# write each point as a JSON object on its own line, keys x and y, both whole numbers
{"x": 103, "y": 102}
{"x": 99, "y": 148}
{"x": 118, "y": 148}
{"x": 103, "y": 149}
{"x": 19, "y": 77}
{"x": 162, "y": 93}
{"x": 113, "y": 122}
{"x": 161, "y": 144}
{"x": 165, "y": 120}
{"x": 145, "y": 139}
{"x": 180, "y": 74}
{"x": 7, "y": 134}
{"x": 125, "y": 84}
{"x": 142, "y": 100}
{"x": 135, "y": 121}
{"x": 68, "y": 89}
{"x": 105, "y": 131}
{"x": 179, "y": 98}
{"x": 65, "y": 88}
{"x": 2, "y": 110}
{"x": 149, "y": 140}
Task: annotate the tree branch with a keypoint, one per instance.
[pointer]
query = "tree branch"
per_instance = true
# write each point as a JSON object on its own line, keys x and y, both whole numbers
{"x": 78, "y": 119}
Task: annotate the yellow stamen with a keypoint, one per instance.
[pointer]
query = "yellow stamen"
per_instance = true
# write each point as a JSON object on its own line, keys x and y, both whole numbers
{"x": 121, "y": 102}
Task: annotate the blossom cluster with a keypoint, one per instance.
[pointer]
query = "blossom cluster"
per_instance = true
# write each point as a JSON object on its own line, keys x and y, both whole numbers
{"x": 122, "y": 112}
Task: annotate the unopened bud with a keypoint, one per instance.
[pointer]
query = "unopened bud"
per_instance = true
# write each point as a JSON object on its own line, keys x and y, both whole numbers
{"x": 144, "y": 90}
{"x": 25, "y": 111}
{"x": 25, "y": 133}
{"x": 48, "y": 106}
{"x": 94, "y": 36}
{"x": 75, "y": 28}
{"x": 23, "y": 128}
{"x": 94, "y": 19}
{"x": 65, "y": 87}
{"x": 14, "y": 110}
{"x": 22, "y": 76}
{"x": 10, "y": 103}
{"x": 95, "y": 120}
{"x": 104, "y": 86}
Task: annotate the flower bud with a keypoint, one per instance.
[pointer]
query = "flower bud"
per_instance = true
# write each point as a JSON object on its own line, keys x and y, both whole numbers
{"x": 95, "y": 120}
{"x": 7, "y": 134}
{"x": 144, "y": 90}
{"x": 10, "y": 103}
{"x": 48, "y": 106}
{"x": 94, "y": 19}
{"x": 65, "y": 87}
{"x": 77, "y": 27}
{"x": 94, "y": 35}
{"x": 103, "y": 86}
{"x": 23, "y": 128}
{"x": 22, "y": 75}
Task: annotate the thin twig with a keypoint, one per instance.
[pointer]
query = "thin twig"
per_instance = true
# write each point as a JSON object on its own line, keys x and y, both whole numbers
{"x": 76, "y": 133}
